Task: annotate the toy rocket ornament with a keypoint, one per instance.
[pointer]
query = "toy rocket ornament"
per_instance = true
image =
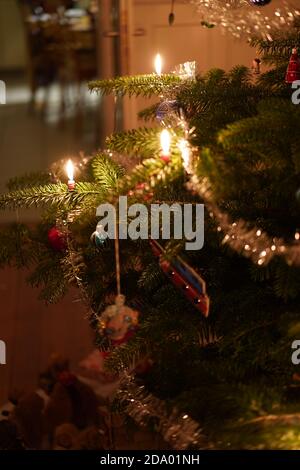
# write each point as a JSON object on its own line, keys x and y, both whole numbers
{"x": 293, "y": 70}
{"x": 184, "y": 278}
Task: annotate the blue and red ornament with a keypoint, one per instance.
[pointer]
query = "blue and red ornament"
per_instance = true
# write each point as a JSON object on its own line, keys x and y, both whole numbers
{"x": 184, "y": 278}
{"x": 118, "y": 321}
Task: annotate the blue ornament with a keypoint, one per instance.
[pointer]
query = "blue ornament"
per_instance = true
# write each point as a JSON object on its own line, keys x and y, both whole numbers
{"x": 99, "y": 237}
{"x": 165, "y": 108}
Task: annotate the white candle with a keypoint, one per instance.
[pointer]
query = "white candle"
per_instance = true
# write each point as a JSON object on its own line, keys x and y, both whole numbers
{"x": 165, "y": 143}
{"x": 158, "y": 64}
{"x": 70, "y": 174}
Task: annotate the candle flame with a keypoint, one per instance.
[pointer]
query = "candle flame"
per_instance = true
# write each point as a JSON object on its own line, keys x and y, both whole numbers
{"x": 70, "y": 170}
{"x": 165, "y": 141}
{"x": 158, "y": 64}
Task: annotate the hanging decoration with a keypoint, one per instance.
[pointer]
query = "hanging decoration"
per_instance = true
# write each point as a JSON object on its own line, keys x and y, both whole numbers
{"x": 118, "y": 321}
{"x": 57, "y": 239}
{"x": 242, "y": 18}
{"x": 166, "y": 108}
{"x": 99, "y": 237}
{"x": 184, "y": 277}
{"x": 293, "y": 70}
{"x": 171, "y": 18}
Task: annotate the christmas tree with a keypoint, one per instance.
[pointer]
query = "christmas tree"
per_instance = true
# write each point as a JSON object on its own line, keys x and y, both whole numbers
{"x": 234, "y": 147}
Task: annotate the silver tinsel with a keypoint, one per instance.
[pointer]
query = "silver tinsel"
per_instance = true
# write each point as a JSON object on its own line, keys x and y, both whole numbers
{"x": 251, "y": 242}
{"x": 178, "y": 429}
{"x": 241, "y": 18}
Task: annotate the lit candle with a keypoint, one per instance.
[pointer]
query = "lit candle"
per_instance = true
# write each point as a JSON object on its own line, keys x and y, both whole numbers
{"x": 70, "y": 173}
{"x": 158, "y": 64}
{"x": 165, "y": 143}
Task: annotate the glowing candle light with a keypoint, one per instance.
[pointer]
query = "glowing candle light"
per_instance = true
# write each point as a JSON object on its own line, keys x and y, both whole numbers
{"x": 70, "y": 174}
{"x": 158, "y": 64}
{"x": 165, "y": 143}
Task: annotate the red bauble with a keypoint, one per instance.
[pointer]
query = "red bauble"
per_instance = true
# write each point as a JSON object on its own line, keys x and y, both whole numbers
{"x": 57, "y": 239}
{"x": 293, "y": 70}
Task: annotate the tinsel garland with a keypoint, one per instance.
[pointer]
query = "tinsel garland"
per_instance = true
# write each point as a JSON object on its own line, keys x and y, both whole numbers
{"x": 177, "y": 429}
{"x": 251, "y": 242}
{"x": 241, "y": 18}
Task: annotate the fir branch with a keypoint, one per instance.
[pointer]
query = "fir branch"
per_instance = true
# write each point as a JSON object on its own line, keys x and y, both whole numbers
{"x": 149, "y": 113}
{"x": 140, "y": 85}
{"x": 127, "y": 355}
{"x": 54, "y": 194}
{"x": 106, "y": 172}
{"x": 15, "y": 244}
{"x": 151, "y": 278}
{"x": 143, "y": 141}
{"x": 49, "y": 275}
{"x": 277, "y": 51}
{"x": 28, "y": 180}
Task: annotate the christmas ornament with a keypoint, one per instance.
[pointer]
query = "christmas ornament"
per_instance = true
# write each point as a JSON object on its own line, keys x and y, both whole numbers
{"x": 293, "y": 70}
{"x": 256, "y": 65}
{"x": 165, "y": 108}
{"x": 99, "y": 237}
{"x": 57, "y": 239}
{"x": 172, "y": 15}
{"x": 118, "y": 321}
{"x": 259, "y": 3}
{"x": 185, "y": 278}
